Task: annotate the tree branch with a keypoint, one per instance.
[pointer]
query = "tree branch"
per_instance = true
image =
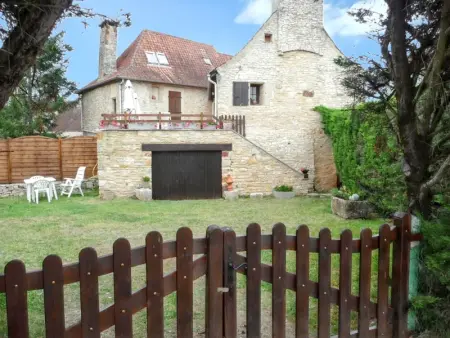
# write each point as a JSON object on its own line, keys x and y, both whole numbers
{"x": 438, "y": 175}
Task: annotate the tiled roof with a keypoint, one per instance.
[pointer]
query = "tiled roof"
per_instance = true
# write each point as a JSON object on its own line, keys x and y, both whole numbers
{"x": 186, "y": 61}
{"x": 69, "y": 120}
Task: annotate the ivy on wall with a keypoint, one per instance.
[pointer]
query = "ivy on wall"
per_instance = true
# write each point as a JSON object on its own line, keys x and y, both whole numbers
{"x": 367, "y": 158}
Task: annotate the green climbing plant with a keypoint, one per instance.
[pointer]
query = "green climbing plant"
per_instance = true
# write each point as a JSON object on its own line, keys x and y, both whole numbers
{"x": 366, "y": 154}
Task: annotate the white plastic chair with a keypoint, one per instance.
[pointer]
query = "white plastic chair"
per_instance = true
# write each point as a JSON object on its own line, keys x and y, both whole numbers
{"x": 34, "y": 179}
{"x": 73, "y": 183}
{"x": 41, "y": 186}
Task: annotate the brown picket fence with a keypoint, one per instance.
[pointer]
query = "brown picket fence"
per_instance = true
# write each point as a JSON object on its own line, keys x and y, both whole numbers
{"x": 27, "y": 156}
{"x": 221, "y": 258}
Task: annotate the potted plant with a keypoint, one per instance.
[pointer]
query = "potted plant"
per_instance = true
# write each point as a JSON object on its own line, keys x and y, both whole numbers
{"x": 209, "y": 126}
{"x": 146, "y": 181}
{"x": 305, "y": 172}
{"x": 113, "y": 125}
{"x": 191, "y": 125}
{"x": 283, "y": 192}
{"x": 350, "y": 205}
{"x": 176, "y": 125}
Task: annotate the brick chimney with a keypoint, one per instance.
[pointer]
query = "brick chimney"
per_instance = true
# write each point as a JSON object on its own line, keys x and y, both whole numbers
{"x": 108, "y": 48}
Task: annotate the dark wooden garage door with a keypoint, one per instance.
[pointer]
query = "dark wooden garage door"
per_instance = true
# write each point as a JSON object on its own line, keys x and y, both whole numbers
{"x": 178, "y": 175}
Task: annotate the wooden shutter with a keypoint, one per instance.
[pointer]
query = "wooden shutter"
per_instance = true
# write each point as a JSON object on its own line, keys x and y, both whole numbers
{"x": 240, "y": 93}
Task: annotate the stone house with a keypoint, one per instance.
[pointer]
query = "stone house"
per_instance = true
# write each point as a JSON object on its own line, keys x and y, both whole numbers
{"x": 275, "y": 81}
{"x": 169, "y": 74}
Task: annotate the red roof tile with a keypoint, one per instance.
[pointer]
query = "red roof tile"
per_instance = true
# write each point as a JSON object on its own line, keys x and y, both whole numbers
{"x": 186, "y": 61}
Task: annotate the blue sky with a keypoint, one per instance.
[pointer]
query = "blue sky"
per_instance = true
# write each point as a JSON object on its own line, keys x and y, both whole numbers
{"x": 226, "y": 24}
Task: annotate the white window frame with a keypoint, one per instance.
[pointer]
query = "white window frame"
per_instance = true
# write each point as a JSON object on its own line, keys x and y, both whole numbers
{"x": 162, "y": 59}
{"x": 152, "y": 58}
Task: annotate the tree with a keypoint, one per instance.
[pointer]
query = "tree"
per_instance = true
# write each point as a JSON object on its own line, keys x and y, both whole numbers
{"x": 411, "y": 81}
{"x": 25, "y": 26}
{"x": 42, "y": 93}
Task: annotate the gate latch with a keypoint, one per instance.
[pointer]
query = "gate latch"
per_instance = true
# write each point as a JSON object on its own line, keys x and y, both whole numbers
{"x": 231, "y": 266}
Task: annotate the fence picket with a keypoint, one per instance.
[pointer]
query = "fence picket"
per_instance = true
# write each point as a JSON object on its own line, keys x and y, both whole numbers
{"x": 16, "y": 299}
{"x": 229, "y": 279}
{"x": 214, "y": 281}
{"x": 89, "y": 293}
{"x": 122, "y": 288}
{"x": 365, "y": 270}
{"x": 345, "y": 283}
{"x": 155, "y": 285}
{"x": 53, "y": 297}
{"x": 278, "y": 281}
{"x": 302, "y": 282}
{"x": 324, "y": 283}
{"x": 253, "y": 281}
{"x": 184, "y": 283}
{"x": 383, "y": 281}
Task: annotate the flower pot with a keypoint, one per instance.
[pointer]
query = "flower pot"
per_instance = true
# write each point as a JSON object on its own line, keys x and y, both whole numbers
{"x": 305, "y": 175}
{"x": 191, "y": 125}
{"x": 144, "y": 194}
{"x": 227, "y": 125}
{"x": 176, "y": 126}
{"x": 113, "y": 127}
{"x": 283, "y": 195}
{"x": 210, "y": 127}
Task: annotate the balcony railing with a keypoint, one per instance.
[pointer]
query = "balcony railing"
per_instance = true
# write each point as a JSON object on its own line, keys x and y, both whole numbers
{"x": 169, "y": 121}
{"x": 159, "y": 121}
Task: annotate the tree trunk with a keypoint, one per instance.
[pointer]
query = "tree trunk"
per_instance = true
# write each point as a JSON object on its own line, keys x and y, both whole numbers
{"x": 24, "y": 42}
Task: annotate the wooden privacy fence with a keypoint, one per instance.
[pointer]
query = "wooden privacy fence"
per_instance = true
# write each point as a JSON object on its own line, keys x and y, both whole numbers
{"x": 221, "y": 257}
{"x": 23, "y": 157}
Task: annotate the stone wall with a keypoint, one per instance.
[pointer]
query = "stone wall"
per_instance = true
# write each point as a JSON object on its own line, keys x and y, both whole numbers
{"x": 326, "y": 174}
{"x": 153, "y": 99}
{"x": 19, "y": 189}
{"x": 122, "y": 163}
{"x": 293, "y": 83}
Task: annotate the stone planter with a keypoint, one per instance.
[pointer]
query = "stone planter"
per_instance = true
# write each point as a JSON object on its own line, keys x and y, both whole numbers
{"x": 283, "y": 195}
{"x": 210, "y": 127}
{"x": 176, "y": 126}
{"x": 351, "y": 209}
{"x": 143, "y": 126}
{"x": 144, "y": 194}
{"x": 191, "y": 125}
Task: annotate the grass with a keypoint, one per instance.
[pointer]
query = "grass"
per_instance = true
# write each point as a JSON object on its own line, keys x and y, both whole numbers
{"x": 31, "y": 232}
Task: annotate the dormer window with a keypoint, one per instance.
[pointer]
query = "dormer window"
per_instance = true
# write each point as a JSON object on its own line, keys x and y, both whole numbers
{"x": 158, "y": 59}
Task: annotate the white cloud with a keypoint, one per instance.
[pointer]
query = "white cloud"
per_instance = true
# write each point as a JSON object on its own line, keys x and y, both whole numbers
{"x": 339, "y": 22}
{"x": 255, "y": 12}
{"x": 336, "y": 17}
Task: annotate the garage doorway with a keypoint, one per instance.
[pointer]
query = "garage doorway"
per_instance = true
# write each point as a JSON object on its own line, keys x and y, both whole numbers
{"x": 181, "y": 172}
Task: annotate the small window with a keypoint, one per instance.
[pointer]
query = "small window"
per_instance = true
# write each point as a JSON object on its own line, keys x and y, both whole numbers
{"x": 162, "y": 59}
{"x": 151, "y": 58}
{"x": 240, "y": 93}
{"x": 268, "y": 37}
{"x": 114, "y": 105}
{"x": 255, "y": 94}
{"x": 207, "y": 61}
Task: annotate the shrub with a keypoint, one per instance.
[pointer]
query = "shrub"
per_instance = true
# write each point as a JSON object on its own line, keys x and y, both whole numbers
{"x": 146, "y": 179}
{"x": 284, "y": 188}
{"x": 432, "y": 306}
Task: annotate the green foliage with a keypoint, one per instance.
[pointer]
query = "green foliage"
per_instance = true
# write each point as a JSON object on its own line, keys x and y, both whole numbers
{"x": 42, "y": 93}
{"x": 432, "y": 307}
{"x": 284, "y": 188}
{"x": 366, "y": 154}
{"x": 146, "y": 179}
{"x": 345, "y": 193}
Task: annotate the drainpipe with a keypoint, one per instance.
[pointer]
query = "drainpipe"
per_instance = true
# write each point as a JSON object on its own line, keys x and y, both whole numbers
{"x": 216, "y": 113}
{"x": 120, "y": 95}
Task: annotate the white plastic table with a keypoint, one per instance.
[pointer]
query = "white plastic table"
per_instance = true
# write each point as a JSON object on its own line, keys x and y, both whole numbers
{"x": 29, "y": 184}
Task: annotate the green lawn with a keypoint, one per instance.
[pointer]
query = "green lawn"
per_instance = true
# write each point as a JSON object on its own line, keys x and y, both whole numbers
{"x": 31, "y": 232}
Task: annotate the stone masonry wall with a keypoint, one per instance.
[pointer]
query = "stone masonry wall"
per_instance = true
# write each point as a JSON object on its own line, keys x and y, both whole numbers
{"x": 122, "y": 163}
{"x": 293, "y": 83}
{"x": 153, "y": 99}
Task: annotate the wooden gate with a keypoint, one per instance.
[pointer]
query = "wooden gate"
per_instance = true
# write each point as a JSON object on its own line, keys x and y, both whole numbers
{"x": 220, "y": 256}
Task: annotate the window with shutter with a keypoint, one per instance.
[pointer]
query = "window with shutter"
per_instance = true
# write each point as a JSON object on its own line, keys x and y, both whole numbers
{"x": 240, "y": 93}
